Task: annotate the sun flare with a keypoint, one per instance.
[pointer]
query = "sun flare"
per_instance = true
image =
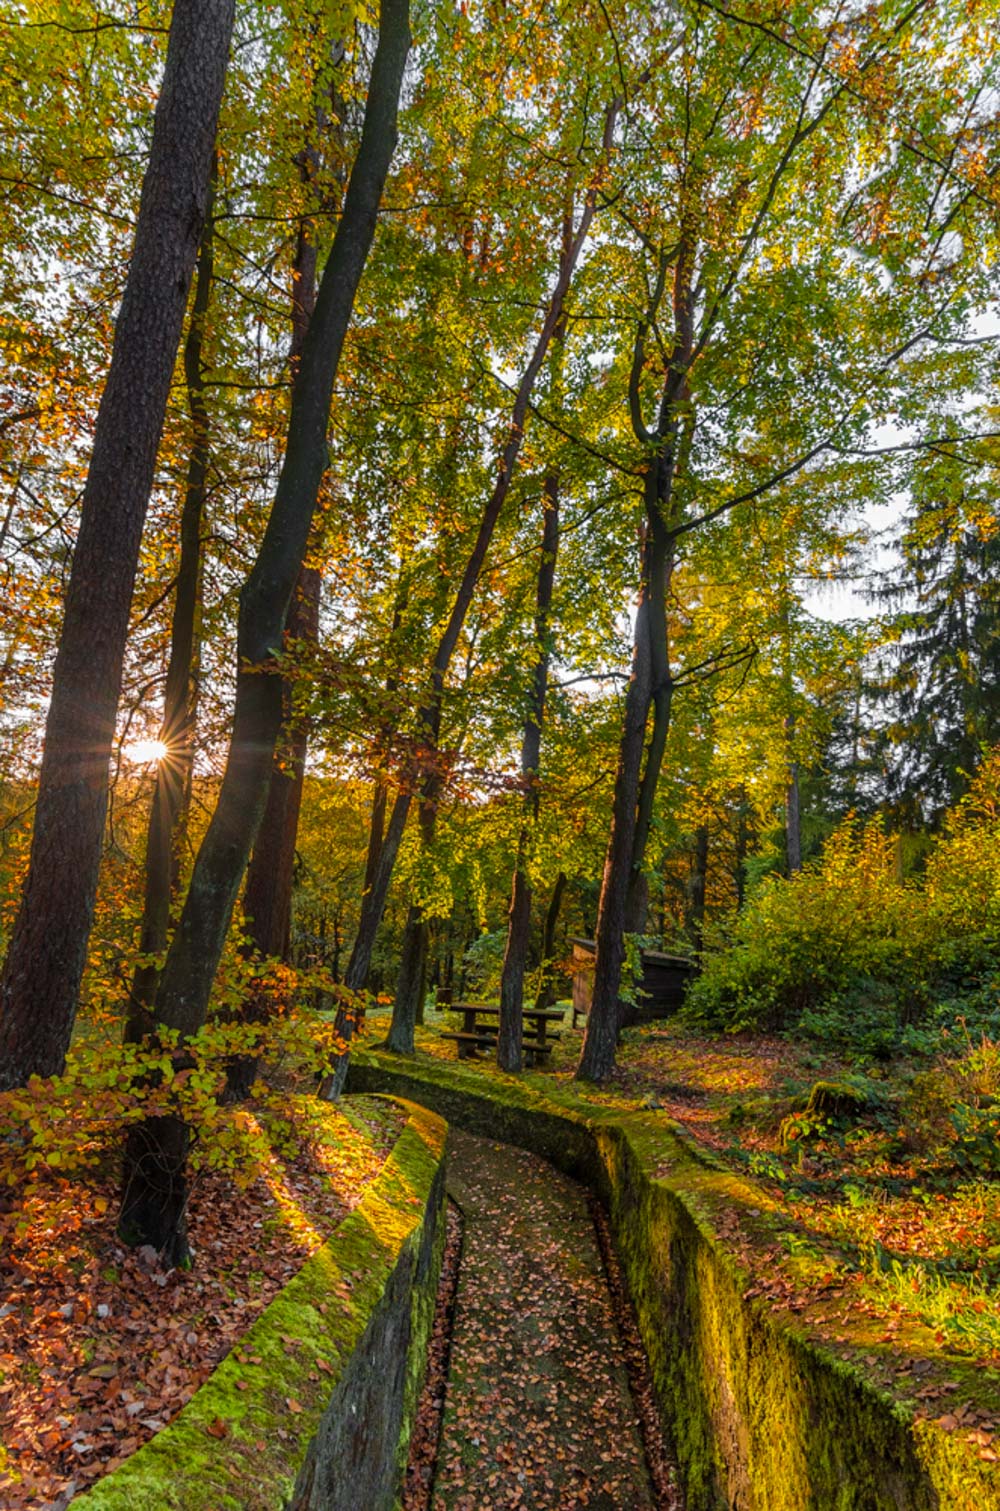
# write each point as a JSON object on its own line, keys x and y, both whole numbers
{"x": 144, "y": 752}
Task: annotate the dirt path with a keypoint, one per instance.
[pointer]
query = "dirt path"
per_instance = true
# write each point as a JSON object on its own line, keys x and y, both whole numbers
{"x": 538, "y": 1412}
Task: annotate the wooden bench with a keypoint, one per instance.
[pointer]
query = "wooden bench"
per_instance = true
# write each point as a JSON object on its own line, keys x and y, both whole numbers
{"x": 469, "y": 1043}
{"x": 534, "y": 1050}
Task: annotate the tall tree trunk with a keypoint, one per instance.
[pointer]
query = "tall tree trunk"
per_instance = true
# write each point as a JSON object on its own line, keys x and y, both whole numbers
{"x": 429, "y": 717}
{"x": 547, "y": 984}
{"x": 742, "y": 846}
{"x": 650, "y": 679}
{"x": 155, "y": 1192}
{"x": 172, "y": 790}
{"x": 793, "y": 818}
{"x": 699, "y": 878}
{"x": 601, "y": 1034}
{"x": 519, "y": 920}
{"x": 267, "y": 899}
{"x": 44, "y": 964}
{"x": 380, "y": 791}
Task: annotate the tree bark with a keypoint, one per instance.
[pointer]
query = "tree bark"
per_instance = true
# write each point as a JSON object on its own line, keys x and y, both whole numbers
{"x": 742, "y": 846}
{"x": 267, "y": 898}
{"x": 547, "y": 986}
{"x": 515, "y": 958}
{"x": 650, "y": 679}
{"x": 601, "y": 1034}
{"x": 193, "y": 957}
{"x": 699, "y": 878}
{"x": 44, "y": 964}
{"x": 172, "y": 789}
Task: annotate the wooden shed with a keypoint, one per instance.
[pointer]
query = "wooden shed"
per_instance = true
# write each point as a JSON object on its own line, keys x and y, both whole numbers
{"x": 661, "y": 990}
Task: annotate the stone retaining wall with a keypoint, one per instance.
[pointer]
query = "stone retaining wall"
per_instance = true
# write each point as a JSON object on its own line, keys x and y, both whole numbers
{"x": 762, "y": 1417}
{"x": 361, "y": 1309}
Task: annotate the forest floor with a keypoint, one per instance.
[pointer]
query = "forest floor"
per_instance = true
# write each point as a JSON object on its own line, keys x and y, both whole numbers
{"x": 100, "y": 1347}
{"x": 538, "y": 1413}
{"x": 886, "y": 1234}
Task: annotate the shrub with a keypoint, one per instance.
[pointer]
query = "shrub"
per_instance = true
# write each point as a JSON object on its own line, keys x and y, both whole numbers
{"x": 849, "y": 953}
{"x": 801, "y": 943}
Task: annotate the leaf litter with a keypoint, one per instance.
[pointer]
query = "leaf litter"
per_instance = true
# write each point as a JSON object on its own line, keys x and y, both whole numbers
{"x": 100, "y": 1347}
{"x": 538, "y": 1411}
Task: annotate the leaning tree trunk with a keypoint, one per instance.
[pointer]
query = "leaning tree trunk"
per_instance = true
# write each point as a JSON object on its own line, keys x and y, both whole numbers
{"x": 172, "y": 790}
{"x": 515, "y": 958}
{"x": 429, "y": 720}
{"x": 44, "y": 964}
{"x": 155, "y": 1193}
{"x": 267, "y": 899}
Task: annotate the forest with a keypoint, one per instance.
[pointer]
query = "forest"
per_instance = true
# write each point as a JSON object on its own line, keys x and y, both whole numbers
{"x": 498, "y": 498}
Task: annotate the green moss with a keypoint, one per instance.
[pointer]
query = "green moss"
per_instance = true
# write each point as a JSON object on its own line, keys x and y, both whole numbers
{"x": 304, "y": 1340}
{"x": 763, "y": 1416}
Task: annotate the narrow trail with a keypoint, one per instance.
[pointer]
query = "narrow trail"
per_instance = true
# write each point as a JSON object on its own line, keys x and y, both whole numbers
{"x": 538, "y": 1414}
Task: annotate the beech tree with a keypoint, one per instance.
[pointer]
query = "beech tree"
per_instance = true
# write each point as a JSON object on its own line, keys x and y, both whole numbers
{"x": 710, "y": 240}
{"x": 44, "y": 965}
{"x": 154, "y": 1196}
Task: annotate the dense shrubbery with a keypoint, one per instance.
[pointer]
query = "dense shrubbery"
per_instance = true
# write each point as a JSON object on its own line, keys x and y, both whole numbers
{"x": 850, "y": 952}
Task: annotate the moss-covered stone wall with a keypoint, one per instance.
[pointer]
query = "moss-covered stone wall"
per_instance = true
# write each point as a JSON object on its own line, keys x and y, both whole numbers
{"x": 322, "y": 1422}
{"x": 762, "y": 1417}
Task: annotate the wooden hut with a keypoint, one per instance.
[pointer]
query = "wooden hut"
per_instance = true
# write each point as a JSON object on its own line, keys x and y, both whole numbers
{"x": 660, "y": 992}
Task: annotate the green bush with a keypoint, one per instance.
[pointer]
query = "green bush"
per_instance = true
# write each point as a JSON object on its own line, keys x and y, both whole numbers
{"x": 849, "y": 953}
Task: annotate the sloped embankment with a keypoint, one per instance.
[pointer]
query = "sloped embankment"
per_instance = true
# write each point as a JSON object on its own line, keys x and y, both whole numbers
{"x": 314, "y": 1408}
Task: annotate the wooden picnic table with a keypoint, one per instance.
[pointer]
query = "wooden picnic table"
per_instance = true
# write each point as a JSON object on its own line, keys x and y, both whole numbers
{"x": 479, "y": 1033}
{"x": 470, "y": 1011}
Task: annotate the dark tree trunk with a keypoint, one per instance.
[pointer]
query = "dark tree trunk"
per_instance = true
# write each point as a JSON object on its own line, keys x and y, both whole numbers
{"x": 650, "y": 681}
{"x": 601, "y": 1034}
{"x": 267, "y": 899}
{"x": 376, "y": 830}
{"x": 547, "y": 985}
{"x": 409, "y": 984}
{"x": 519, "y": 921}
{"x": 699, "y": 877}
{"x": 45, "y": 959}
{"x": 193, "y": 957}
{"x": 172, "y": 790}
{"x": 742, "y": 847}
{"x": 155, "y": 1192}
{"x": 637, "y": 901}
